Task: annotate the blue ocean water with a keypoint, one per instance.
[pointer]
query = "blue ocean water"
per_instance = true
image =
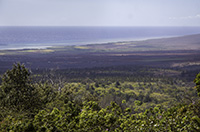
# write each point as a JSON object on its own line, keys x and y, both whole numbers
{"x": 40, "y": 37}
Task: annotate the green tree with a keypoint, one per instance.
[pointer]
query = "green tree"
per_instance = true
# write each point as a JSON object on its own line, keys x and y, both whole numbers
{"x": 197, "y": 81}
{"x": 17, "y": 92}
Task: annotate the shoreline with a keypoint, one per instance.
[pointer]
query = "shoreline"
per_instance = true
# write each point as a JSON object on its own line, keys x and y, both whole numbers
{"x": 89, "y": 43}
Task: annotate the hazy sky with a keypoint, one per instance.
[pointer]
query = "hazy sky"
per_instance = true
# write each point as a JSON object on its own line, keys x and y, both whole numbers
{"x": 99, "y": 12}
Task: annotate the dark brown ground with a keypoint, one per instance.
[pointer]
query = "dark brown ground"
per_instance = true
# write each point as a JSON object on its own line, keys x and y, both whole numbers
{"x": 167, "y": 52}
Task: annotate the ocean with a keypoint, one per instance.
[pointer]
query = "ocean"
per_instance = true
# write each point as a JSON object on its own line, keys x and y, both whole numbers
{"x": 42, "y": 37}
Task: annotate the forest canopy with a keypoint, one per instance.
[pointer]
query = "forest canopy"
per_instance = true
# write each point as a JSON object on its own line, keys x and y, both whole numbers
{"x": 55, "y": 104}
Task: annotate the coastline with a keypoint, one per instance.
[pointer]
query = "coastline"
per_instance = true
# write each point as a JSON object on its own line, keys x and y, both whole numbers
{"x": 29, "y": 37}
{"x": 173, "y": 51}
{"x": 61, "y": 45}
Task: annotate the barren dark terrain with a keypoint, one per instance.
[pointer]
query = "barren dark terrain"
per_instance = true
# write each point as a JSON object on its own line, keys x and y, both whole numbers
{"x": 165, "y": 52}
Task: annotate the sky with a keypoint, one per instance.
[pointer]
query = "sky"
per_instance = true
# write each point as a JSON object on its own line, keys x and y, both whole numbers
{"x": 99, "y": 12}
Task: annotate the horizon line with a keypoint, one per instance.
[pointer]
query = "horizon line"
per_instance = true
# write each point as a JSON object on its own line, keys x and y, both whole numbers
{"x": 84, "y": 26}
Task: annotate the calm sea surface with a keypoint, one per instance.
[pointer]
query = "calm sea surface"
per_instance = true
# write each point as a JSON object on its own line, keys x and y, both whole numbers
{"x": 41, "y": 37}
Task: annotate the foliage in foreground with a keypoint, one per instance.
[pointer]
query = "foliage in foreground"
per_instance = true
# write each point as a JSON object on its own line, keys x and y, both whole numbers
{"x": 43, "y": 107}
{"x": 112, "y": 118}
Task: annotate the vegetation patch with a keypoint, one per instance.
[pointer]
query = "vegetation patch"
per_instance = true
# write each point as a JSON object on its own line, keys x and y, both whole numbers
{"x": 81, "y": 47}
{"x": 51, "y": 102}
{"x": 38, "y": 51}
{"x": 2, "y": 53}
